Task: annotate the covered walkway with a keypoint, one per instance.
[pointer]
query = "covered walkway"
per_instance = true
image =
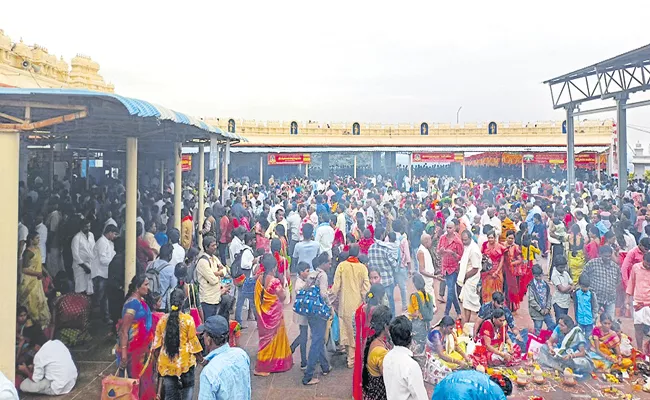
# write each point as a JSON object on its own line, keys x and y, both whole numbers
{"x": 80, "y": 119}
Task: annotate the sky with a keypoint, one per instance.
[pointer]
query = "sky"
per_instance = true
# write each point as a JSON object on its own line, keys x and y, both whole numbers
{"x": 368, "y": 61}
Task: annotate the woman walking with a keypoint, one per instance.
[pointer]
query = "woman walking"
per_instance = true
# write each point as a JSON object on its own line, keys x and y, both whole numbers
{"x": 375, "y": 350}
{"x": 363, "y": 330}
{"x": 30, "y": 291}
{"x": 177, "y": 347}
{"x": 274, "y": 353}
{"x": 513, "y": 269}
{"x": 135, "y": 335}
{"x": 492, "y": 279}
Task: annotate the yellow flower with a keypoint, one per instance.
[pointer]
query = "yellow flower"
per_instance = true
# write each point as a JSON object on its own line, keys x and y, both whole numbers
{"x": 174, "y": 308}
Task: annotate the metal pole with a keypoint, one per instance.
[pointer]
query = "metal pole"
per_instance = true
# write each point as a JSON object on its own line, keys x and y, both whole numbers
{"x": 10, "y": 166}
{"x": 162, "y": 176}
{"x": 178, "y": 182}
{"x": 52, "y": 166}
{"x": 201, "y": 190}
{"x": 621, "y": 125}
{"x": 355, "y": 167}
{"x": 306, "y": 170}
{"x": 261, "y": 169}
{"x": 458, "y": 114}
{"x": 598, "y": 166}
{"x": 523, "y": 168}
{"x": 570, "y": 156}
{"x": 411, "y": 169}
{"x": 216, "y": 174}
{"x": 131, "y": 209}
{"x": 87, "y": 167}
{"x": 463, "y": 165}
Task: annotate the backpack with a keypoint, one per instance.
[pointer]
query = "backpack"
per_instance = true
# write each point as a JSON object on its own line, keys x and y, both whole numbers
{"x": 309, "y": 302}
{"x": 236, "y": 270}
{"x": 153, "y": 274}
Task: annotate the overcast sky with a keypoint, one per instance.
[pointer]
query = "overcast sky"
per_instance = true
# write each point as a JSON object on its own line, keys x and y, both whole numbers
{"x": 373, "y": 61}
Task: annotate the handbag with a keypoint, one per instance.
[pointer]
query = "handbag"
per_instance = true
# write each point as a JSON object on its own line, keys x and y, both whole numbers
{"x": 194, "y": 311}
{"x": 124, "y": 388}
{"x": 309, "y": 302}
{"x": 486, "y": 263}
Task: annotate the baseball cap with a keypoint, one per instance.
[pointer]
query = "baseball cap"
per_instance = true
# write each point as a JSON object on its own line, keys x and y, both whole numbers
{"x": 215, "y": 325}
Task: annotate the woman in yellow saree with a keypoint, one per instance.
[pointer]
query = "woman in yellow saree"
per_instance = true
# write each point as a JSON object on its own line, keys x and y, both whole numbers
{"x": 605, "y": 350}
{"x": 274, "y": 354}
{"x": 30, "y": 291}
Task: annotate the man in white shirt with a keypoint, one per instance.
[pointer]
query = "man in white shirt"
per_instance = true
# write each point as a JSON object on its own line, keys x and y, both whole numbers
{"x": 41, "y": 229}
{"x": 7, "y": 389}
{"x": 53, "y": 372}
{"x": 178, "y": 254}
{"x": 104, "y": 252}
{"x": 402, "y": 374}
{"x": 83, "y": 244}
{"x": 293, "y": 223}
{"x": 325, "y": 234}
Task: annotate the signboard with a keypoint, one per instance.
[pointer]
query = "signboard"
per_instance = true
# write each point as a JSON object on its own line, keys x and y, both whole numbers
{"x": 289, "y": 159}
{"x": 545, "y": 158}
{"x": 214, "y": 153}
{"x": 186, "y": 162}
{"x": 421, "y": 157}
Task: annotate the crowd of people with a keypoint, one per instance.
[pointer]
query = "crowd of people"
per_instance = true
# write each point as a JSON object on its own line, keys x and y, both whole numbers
{"x": 345, "y": 254}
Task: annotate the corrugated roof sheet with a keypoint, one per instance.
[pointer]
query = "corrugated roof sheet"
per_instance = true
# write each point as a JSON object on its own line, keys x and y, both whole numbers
{"x": 140, "y": 108}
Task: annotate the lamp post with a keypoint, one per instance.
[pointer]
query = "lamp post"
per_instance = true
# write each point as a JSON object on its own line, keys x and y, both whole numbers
{"x": 458, "y": 113}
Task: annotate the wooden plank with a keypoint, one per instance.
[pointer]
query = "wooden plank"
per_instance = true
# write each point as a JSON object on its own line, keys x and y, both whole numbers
{"x": 46, "y": 122}
{"x": 12, "y": 118}
{"x": 12, "y": 103}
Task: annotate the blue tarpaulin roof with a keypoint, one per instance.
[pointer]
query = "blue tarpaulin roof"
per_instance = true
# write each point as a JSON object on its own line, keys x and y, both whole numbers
{"x": 134, "y": 107}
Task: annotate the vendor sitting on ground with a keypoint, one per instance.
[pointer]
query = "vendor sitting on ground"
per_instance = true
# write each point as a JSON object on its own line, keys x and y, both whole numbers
{"x": 518, "y": 336}
{"x": 566, "y": 348}
{"x": 51, "y": 372}
{"x": 494, "y": 344}
{"x": 446, "y": 346}
{"x": 606, "y": 345}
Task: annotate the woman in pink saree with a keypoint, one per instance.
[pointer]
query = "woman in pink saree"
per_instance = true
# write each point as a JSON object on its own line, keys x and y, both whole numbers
{"x": 274, "y": 354}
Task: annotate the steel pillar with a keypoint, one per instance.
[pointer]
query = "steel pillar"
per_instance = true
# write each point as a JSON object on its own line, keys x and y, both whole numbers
{"x": 131, "y": 209}
{"x": 570, "y": 155}
{"x": 621, "y": 126}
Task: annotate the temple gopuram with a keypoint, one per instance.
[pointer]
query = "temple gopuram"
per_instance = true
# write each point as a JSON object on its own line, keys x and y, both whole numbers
{"x": 33, "y": 66}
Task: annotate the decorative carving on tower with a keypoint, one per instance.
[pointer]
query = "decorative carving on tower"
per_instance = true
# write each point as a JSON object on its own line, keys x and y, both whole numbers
{"x": 25, "y": 66}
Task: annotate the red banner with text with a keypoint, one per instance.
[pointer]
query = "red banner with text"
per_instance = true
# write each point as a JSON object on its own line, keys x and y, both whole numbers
{"x": 186, "y": 162}
{"x": 289, "y": 159}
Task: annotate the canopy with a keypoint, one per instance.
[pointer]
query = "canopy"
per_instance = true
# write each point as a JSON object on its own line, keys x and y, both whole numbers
{"x": 100, "y": 120}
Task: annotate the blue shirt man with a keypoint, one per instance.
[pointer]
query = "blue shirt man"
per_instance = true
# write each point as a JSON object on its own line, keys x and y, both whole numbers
{"x": 227, "y": 374}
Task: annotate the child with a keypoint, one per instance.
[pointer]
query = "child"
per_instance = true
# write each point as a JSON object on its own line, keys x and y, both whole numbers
{"x": 420, "y": 309}
{"x": 539, "y": 301}
{"x": 586, "y": 306}
{"x": 563, "y": 283}
{"x": 225, "y": 309}
{"x": 303, "y": 272}
{"x": 366, "y": 242}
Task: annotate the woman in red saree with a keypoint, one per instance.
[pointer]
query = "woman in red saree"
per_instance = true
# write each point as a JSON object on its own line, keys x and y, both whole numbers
{"x": 492, "y": 280}
{"x": 494, "y": 346}
{"x": 362, "y": 332}
{"x": 135, "y": 336}
{"x": 591, "y": 248}
{"x": 274, "y": 354}
{"x": 513, "y": 270}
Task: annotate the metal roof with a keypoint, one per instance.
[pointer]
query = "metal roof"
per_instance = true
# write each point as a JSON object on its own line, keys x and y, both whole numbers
{"x": 636, "y": 57}
{"x": 134, "y": 107}
{"x": 617, "y": 76}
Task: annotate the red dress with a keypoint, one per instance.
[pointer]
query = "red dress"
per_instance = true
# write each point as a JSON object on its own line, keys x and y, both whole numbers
{"x": 512, "y": 271}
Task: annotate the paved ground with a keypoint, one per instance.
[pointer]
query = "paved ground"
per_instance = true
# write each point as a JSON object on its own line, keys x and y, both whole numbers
{"x": 95, "y": 361}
